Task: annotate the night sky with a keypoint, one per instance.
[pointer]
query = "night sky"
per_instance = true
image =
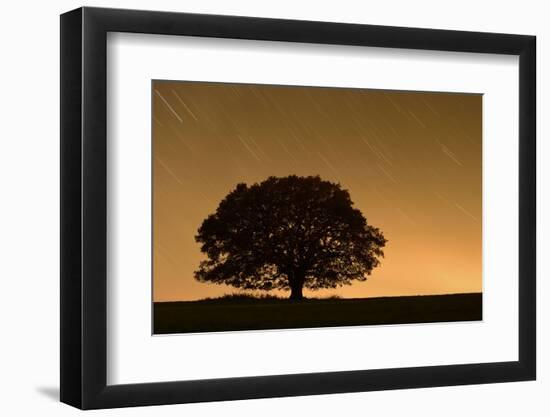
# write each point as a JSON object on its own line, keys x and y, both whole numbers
{"x": 410, "y": 160}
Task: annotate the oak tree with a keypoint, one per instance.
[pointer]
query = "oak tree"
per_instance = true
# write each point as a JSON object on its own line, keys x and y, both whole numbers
{"x": 288, "y": 233}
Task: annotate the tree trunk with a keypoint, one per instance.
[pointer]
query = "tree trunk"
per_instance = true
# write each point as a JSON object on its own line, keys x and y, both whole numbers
{"x": 296, "y": 286}
{"x": 296, "y": 292}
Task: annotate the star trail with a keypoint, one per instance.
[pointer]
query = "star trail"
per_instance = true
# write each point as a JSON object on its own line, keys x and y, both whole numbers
{"x": 412, "y": 162}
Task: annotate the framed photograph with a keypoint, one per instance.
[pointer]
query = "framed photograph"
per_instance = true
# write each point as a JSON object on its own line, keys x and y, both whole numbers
{"x": 258, "y": 208}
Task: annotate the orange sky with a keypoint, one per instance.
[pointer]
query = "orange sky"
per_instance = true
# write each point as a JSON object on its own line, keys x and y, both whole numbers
{"x": 411, "y": 162}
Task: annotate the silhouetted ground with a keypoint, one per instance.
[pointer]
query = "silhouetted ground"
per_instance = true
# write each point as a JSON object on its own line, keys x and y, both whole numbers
{"x": 248, "y": 313}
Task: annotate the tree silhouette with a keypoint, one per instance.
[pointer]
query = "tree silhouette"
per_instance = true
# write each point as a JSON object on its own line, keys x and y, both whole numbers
{"x": 288, "y": 233}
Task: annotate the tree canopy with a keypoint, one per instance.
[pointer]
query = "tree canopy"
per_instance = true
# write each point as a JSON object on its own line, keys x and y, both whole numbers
{"x": 288, "y": 233}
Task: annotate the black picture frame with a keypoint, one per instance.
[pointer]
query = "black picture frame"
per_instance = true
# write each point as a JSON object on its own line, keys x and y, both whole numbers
{"x": 84, "y": 208}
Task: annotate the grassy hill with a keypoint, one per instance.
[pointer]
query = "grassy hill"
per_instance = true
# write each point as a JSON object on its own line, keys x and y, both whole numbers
{"x": 249, "y": 313}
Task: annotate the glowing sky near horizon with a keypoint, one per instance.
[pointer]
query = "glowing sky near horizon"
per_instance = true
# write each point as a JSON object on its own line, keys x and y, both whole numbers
{"x": 410, "y": 160}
